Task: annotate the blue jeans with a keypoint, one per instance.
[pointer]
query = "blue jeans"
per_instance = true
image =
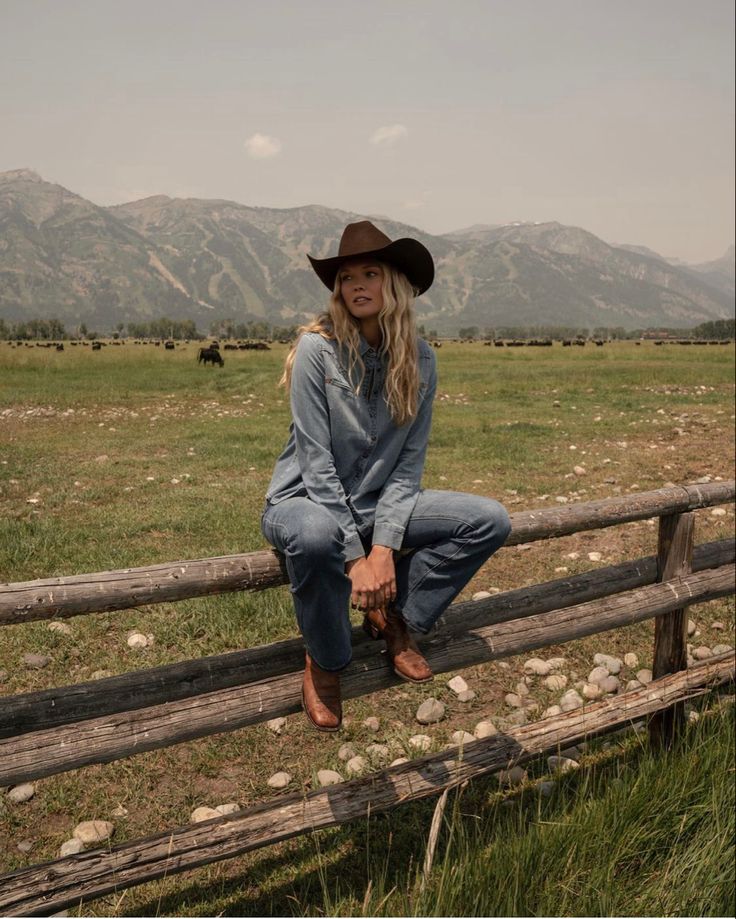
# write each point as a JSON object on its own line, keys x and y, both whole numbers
{"x": 451, "y": 534}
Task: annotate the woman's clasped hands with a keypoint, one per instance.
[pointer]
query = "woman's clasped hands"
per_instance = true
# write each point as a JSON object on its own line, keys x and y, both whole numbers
{"x": 374, "y": 579}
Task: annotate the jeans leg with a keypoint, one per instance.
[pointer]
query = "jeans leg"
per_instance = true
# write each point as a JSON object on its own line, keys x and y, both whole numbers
{"x": 452, "y": 534}
{"x": 311, "y": 541}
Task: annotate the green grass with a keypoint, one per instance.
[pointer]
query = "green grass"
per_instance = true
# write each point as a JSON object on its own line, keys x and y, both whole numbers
{"x": 96, "y": 440}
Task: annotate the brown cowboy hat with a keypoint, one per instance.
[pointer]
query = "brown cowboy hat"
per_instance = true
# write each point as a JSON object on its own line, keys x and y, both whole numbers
{"x": 363, "y": 240}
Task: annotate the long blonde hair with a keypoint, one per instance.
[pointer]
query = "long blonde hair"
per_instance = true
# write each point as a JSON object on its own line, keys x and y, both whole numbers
{"x": 398, "y": 328}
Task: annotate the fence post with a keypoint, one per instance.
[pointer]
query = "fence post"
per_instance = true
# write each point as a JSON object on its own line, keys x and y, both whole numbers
{"x": 674, "y": 559}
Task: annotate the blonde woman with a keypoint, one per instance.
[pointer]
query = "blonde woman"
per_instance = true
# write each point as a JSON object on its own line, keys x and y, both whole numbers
{"x": 345, "y": 494}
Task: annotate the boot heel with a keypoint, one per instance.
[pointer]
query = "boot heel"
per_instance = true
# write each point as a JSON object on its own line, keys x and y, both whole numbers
{"x": 370, "y": 630}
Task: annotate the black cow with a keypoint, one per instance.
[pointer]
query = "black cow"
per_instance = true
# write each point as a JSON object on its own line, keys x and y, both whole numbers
{"x": 210, "y": 356}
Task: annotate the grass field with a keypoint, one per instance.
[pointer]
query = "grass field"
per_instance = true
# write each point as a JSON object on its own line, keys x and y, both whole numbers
{"x": 133, "y": 455}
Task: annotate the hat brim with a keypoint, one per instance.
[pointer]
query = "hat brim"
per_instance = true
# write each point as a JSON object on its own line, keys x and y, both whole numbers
{"x": 408, "y": 255}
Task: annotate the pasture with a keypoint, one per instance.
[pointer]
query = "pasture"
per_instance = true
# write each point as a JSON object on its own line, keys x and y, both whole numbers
{"x": 132, "y": 455}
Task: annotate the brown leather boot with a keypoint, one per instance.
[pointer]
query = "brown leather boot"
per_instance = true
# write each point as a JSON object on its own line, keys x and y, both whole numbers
{"x": 321, "y": 697}
{"x": 406, "y": 658}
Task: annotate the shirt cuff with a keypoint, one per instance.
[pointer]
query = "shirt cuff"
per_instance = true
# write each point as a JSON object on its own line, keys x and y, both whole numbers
{"x": 385, "y": 534}
{"x": 353, "y": 549}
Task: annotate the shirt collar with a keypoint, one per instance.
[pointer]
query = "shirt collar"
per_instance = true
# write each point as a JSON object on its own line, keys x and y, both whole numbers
{"x": 364, "y": 347}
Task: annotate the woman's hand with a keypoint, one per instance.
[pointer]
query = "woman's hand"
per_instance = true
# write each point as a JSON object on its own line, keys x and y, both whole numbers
{"x": 374, "y": 579}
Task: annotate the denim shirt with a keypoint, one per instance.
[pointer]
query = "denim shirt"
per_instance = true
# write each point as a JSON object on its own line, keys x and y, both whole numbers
{"x": 344, "y": 451}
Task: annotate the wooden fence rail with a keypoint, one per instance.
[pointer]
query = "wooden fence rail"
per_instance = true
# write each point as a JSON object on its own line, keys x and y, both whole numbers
{"x": 113, "y": 590}
{"x": 41, "y": 889}
{"x": 55, "y": 730}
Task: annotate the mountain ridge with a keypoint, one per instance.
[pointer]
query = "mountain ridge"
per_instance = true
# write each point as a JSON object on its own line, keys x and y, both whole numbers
{"x": 63, "y": 256}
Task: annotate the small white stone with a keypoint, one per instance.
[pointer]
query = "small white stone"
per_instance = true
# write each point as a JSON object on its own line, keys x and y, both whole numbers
{"x": 555, "y": 682}
{"x": 203, "y": 813}
{"x": 356, "y": 764}
{"x": 693, "y": 716}
{"x": 561, "y": 499}
{"x": 328, "y": 777}
{"x": 279, "y": 780}
{"x": 556, "y": 663}
{"x": 276, "y": 725}
{"x": 21, "y": 793}
{"x": 644, "y": 676}
{"x": 717, "y": 626}
{"x": 595, "y": 556}
{"x": 572, "y": 556}
{"x": 513, "y": 700}
{"x": 692, "y": 627}
{"x": 481, "y": 595}
{"x": 537, "y": 666}
{"x": 561, "y": 764}
{"x": 71, "y": 847}
{"x": 457, "y": 684}
{"x": 61, "y": 628}
{"x": 514, "y": 776}
{"x": 631, "y": 660}
{"x": 466, "y": 696}
{"x": 521, "y": 689}
{"x": 610, "y": 684}
{"x": 484, "y": 729}
{"x": 420, "y": 742}
{"x": 461, "y": 737}
{"x": 592, "y": 691}
{"x": 137, "y": 641}
{"x": 612, "y": 664}
{"x": 430, "y": 711}
{"x": 721, "y": 649}
{"x": 90, "y": 831}
{"x": 633, "y": 684}
{"x": 571, "y": 700}
{"x": 225, "y": 809}
{"x": 399, "y": 761}
{"x": 100, "y": 674}
{"x": 718, "y": 512}
{"x": 346, "y": 752}
{"x": 702, "y": 653}
{"x": 597, "y": 674}
{"x": 372, "y": 723}
{"x": 579, "y": 470}
{"x": 561, "y": 569}
{"x": 120, "y": 811}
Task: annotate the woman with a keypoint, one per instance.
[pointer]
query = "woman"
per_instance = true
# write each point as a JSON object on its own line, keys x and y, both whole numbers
{"x": 345, "y": 494}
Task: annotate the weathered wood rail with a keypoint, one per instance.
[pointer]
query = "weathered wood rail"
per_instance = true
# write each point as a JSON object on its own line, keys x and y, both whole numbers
{"x": 56, "y": 730}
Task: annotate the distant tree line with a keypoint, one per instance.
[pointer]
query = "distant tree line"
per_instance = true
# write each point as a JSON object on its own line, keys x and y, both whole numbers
{"x": 38, "y": 329}
{"x": 178, "y": 329}
{"x": 721, "y": 329}
{"x": 256, "y": 329}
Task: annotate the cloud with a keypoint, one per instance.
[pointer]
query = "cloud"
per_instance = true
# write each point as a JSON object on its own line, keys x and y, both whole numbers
{"x": 262, "y": 147}
{"x": 387, "y": 135}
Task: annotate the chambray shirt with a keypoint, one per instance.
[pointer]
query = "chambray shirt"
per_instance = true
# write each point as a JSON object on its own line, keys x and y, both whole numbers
{"x": 344, "y": 451}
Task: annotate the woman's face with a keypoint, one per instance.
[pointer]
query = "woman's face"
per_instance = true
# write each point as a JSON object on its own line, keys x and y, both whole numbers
{"x": 361, "y": 288}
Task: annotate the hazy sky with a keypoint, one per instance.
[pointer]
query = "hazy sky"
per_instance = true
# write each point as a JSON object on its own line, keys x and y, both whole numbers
{"x": 613, "y": 115}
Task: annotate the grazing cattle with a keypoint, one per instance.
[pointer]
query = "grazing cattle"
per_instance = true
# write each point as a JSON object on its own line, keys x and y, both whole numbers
{"x": 60, "y": 347}
{"x": 96, "y": 346}
{"x": 210, "y": 356}
{"x": 169, "y": 345}
{"x": 598, "y": 342}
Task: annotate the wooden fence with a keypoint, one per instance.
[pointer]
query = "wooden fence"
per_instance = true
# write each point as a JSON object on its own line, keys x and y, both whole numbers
{"x": 52, "y": 731}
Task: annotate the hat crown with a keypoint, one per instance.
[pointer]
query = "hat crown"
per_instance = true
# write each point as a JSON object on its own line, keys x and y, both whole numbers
{"x": 361, "y": 237}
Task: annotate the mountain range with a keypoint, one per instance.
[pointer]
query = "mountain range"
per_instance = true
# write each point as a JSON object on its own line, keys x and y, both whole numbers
{"x": 63, "y": 256}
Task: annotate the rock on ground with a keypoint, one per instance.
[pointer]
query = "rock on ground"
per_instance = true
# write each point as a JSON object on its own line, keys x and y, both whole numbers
{"x": 556, "y": 663}
{"x": 36, "y": 661}
{"x": 21, "y": 793}
{"x": 461, "y": 737}
{"x": 457, "y": 684}
{"x": 644, "y": 676}
{"x": 536, "y": 666}
{"x": 610, "y": 684}
{"x": 702, "y": 653}
{"x": 203, "y": 813}
{"x": 378, "y": 751}
{"x": 225, "y": 809}
{"x": 592, "y": 691}
{"x": 597, "y": 674}
{"x": 346, "y": 752}
{"x": 356, "y": 764}
{"x": 466, "y": 696}
{"x": 328, "y": 777}
{"x": 514, "y": 776}
{"x": 420, "y": 742}
{"x": 551, "y": 711}
{"x": 430, "y": 711}
{"x": 93, "y": 830}
{"x": 612, "y": 664}
{"x": 279, "y": 780}
{"x": 372, "y": 723}
{"x": 484, "y": 729}
{"x": 571, "y": 700}
{"x": 276, "y": 725}
{"x": 556, "y": 681}
{"x": 61, "y": 628}
{"x": 71, "y": 847}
